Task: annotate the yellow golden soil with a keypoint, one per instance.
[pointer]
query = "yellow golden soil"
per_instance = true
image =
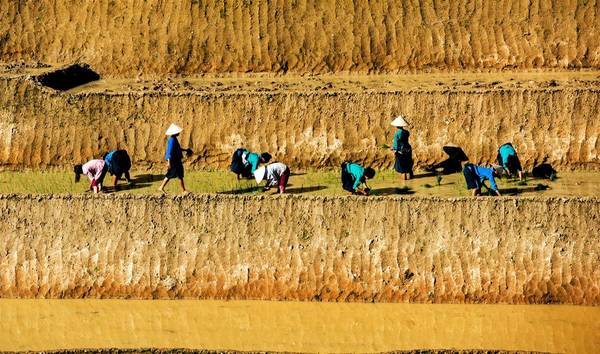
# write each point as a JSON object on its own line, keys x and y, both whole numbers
{"x": 294, "y": 326}
{"x": 153, "y": 38}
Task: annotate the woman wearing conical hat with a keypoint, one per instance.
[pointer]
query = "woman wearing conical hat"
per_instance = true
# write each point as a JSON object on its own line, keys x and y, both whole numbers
{"x": 402, "y": 149}
{"x": 173, "y": 156}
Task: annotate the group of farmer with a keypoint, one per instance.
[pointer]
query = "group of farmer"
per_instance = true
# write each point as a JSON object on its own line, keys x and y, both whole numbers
{"x": 247, "y": 164}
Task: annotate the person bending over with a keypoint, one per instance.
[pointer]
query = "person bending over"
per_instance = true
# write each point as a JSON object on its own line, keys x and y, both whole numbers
{"x": 244, "y": 162}
{"x": 119, "y": 164}
{"x": 95, "y": 170}
{"x": 509, "y": 160}
{"x": 276, "y": 174}
{"x": 475, "y": 176}
{"x": 353, "y": 175}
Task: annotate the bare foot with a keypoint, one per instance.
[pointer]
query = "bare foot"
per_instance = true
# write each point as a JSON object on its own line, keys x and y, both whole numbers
{"x": 161, "y": 191}
{"x": 185, "y": 193}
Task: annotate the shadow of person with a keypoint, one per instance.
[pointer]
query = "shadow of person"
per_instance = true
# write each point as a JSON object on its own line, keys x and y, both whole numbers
{"x": 544, "y": 170}
{"x": 300, "y": 190}
{"x": 424, "y": 175}
{"x": 244, "y": 190}
{"x": 147, "y": 178}
{"x": 393, "y": 191}
{"x": 452, "y": 164}
{"x": 124, "y": 187}
{"x": 517, "y": 191}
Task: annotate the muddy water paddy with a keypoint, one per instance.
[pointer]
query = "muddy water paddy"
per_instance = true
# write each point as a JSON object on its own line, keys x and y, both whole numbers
{"x": 294, "y": 326}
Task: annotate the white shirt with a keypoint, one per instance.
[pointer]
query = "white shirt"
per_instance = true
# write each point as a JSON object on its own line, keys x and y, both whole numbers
{"x": 274, "y": 171}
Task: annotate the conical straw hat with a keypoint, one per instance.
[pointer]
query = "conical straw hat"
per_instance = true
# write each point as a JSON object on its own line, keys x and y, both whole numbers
{"x": 259, "y": 174}
{"x": 400, "y": 122}
{"x": 173, "y": 129}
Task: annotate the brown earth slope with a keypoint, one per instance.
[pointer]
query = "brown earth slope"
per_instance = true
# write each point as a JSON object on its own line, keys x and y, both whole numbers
{"x": 464, "y": 250}
{"x": 308, "y": 122}
{"x": 125, "y": 38}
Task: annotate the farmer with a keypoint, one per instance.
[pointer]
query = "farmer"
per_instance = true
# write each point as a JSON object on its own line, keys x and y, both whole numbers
{"x": 402, "y": 149}
{"x": 173, "y": 156}
{"x": 119, "y": 164}
{"x": 508, "y": 159}
{"x": 95, "y": 170}
{"x": 353, "y": 175}
{"x": 276, "y": 174}
{"x": 244, "y": 163}
{"x": 475, "y": 177}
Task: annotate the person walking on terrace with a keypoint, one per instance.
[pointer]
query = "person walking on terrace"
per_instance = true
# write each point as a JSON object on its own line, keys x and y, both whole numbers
{"x": 119, "y": 164}
{"x": 276, "y": 174}
{"x": 475, "y": 176}
{"x": 402, "y": 149}
{"x": 508, "y": 159}
{"x": 244, "y": 163}
{"x": 353, "y": 175}
{"x": 95, "y": 170}
{"x": 174, "y": 156}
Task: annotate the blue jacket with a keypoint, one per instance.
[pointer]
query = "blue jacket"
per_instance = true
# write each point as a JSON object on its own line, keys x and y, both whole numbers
{"x": 173, "y": 152}
{"x": 486, "y": 173}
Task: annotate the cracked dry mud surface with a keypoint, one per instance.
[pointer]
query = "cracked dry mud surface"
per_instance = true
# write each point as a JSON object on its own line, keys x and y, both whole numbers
{"x": 383, "y": 249}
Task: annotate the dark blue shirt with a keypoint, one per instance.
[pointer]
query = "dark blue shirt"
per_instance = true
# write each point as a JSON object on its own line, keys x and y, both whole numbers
{"x": 173, "y": 153}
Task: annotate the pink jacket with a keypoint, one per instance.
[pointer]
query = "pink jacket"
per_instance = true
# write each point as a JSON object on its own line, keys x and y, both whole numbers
{"x": 93, "y": 169}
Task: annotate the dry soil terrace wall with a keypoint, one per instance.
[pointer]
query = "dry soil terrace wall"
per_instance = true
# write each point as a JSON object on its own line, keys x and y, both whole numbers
{"x": 462, "y": 250}
{"x": 157, "y": 37}
{"x": 42, "y": 128}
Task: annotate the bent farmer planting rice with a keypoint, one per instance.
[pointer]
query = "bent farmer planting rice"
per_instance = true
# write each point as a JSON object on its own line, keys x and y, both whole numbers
{"x": 95, "y": 170}
{"x": 276, "y": 174}
{"x": 353, "y": 175}
{"x": 475, "y": 176}
{"x": 118, "y": 164}
{"x": 508, "y": 159}
{"x": 244, "y": 163}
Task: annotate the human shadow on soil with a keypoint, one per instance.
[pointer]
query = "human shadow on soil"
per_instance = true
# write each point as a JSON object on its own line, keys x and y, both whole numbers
{"x": 530, "y": 189}
{"x": 393, "y": 191}
{"x": 242, "y": 190}
{"x": 300, "y": 190}
{"x": 147, "y": 178}
{"x": 424, "y": 175}
{"x": 123, "y": 187}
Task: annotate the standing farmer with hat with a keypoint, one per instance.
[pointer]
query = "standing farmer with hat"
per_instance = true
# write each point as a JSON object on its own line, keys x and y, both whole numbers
{"x": 402, "y": 149}
{"x": 173, "y": 155}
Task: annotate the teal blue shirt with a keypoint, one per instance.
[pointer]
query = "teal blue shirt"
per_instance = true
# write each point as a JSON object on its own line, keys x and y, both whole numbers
{"x": 400, "y": 138}
{"x": 253, "y": 160}
{"x": 357, "y": 171}
{"x": 506, "y": 151}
